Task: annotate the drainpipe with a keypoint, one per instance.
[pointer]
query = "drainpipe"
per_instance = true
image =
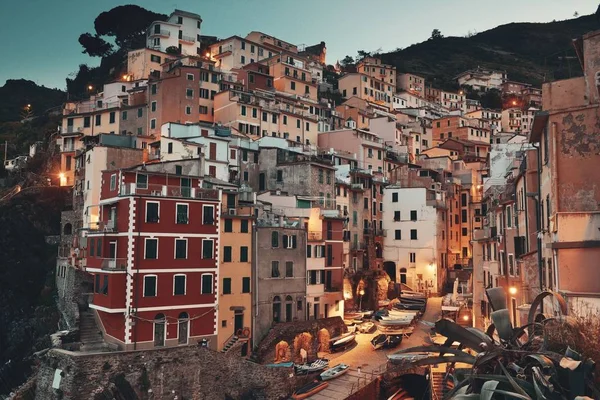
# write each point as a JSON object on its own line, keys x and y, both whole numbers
{"x": 539, "y": 217}
{"x": 137, "y": 264}
{"x": 254, "y": 269}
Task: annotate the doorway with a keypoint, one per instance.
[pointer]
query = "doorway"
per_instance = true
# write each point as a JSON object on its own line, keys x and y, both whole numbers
{"x": 317, "y": 309}
{"x": 390, "y": 268}
{"x": 326, "y": 310}
{"x": 159, "y": 330}
{"x": 183, "y": 328}
{"x": 238, "y": 321}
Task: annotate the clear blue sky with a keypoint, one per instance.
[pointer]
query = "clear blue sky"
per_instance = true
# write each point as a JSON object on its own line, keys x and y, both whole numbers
{"x": 39, "y": 37}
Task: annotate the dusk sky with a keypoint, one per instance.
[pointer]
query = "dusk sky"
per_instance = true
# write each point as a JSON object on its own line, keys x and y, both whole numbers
{"x": 41, "y": 44}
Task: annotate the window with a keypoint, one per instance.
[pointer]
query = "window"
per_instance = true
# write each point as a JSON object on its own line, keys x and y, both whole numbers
{"x": 289, "y": 242}
{"x": 243, "y": 60}
{"x": 140, "y": 113}
{"x": 397, "y": 234}
{"x": 396, "y": 215}
{"x": 244, "y": 226}
{"x": 245, "y": 285}
{"x": 111, "y": 118}
{"x": 279, "y": 175}
{"x": 182, "y": 216}
{"x": 155, "y": 58}
{"x": 395, "y": 198}
{"x": 244, "y": 254}
{"x": 170, "y": 148}
{"x": 113, "y": 182}
{"x": 254, "y": 113}
{"x": 298, "y": 123}
{"x": 203, "y": 110}
{"x": 153, "y": 88}
{"x": 98, "y": 120}
{"x": 289, "y": 269}
{"x": 228, "y": 225}
{"x": 463, "y": 215}
{"x": 153, "y": 123}
{"x": 152, "y": 212}
{"x": 464, "y": 231}
{"x": 189, "y": 93}
{"x": 243, "y": 110}
{"x": 207, "y": 284}
{"x": 226, "y": 286}
{"x": 293, "y": 85}
{"x": 413, "y": 234}
{"x": 207, "y": 248}
{"x": 179, "y": 285}
{"x": 511, "y": 264}
{"x": 86, "y": 122}
{"x": 413, "y": 215}
{"x": 274, "y": 269}
{"x": 274, "y": 239}
{"x": 227, "y": 254}
{"x": 208, "y": 215}
{"x": 150, "y": 286}
{"x": 153, "y": 106}
{"x": 285, "y": 119}
{"x": 412, "y": 257}
{"x": 180, "y": 249}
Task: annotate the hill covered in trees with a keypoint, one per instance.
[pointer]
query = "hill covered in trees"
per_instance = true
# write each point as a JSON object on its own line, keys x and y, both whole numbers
{"x": 528, "y": 52}
{"x": 17, "y": 94}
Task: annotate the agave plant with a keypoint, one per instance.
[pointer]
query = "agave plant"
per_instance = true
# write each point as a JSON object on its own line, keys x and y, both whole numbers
{"x": 509, "y": 362}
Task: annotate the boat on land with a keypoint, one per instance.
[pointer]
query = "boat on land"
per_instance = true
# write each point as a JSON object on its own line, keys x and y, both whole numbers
{"x": 384, "y": 341}
{"x": 308, "y": 390}
{"x": 280, "y": 365}
{"x": 334, "y": 372}
{"x": 316, "y": 366}
{"x": 408, "y": 357}
{"x": 394, "y": 322}
{"x": 400, "y": 394}
{"x": 396, "y": 331}
{"x": 342, "y": 342}
{"x": 366, "y": 327}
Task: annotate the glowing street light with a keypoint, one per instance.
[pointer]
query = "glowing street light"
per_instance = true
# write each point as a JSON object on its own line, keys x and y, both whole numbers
{"x": 361, "y": 293}
{"x": 61, "y": 176}
{"x": 512, "y": 290}
{"x": 90, "y": 87}
{"x": 465, "y": 317}
{"x": 514, "y": 102}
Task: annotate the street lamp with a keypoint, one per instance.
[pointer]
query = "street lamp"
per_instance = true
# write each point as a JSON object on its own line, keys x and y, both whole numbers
{"x": 512, "y": 290}
{"x": 361, "y": 293}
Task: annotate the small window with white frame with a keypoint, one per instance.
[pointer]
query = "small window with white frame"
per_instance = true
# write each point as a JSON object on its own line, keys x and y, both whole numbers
{"x": 152, "y": 211}
{"x": 150, "y": 248}
{"x": 182, "y": 215}
{"x": 207, "y": 285}
{"x": 179, "y": 285}
{"x": 113, "y": 182}
{"x": 150, "y": 285}
{"x": 208, "y": 248}
{"x": 141, "y": 181}
{"x": 208, "y": 215}
{"x": 190, "y": 77}
{"x": 181, "y": 249}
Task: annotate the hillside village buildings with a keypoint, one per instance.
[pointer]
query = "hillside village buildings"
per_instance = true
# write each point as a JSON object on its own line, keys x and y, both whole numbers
{"x": 220, "y": 193}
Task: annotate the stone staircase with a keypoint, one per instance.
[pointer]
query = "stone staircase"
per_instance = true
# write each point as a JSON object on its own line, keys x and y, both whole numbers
{"x": 230, "y": 344}
{"x": 439, "y": 388}
{"x": 90, "y": 335}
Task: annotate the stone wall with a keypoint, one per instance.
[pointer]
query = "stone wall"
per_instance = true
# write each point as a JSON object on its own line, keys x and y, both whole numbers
{"x": 287, "y": 331}
{"x": 71, "y": 285}
{"x": 185, "y": 372}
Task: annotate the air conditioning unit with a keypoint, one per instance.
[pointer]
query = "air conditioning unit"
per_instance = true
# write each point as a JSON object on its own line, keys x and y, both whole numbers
{"x": 232, "y": 211}
{"x": 156, "y": 193}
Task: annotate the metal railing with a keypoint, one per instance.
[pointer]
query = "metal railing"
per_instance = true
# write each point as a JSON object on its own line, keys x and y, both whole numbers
{"x": 161, "y": 32}
{"x": 130, "y": 189}
{"x": 187, "y": 39}
{"x": 114, "y": 263}
{"x": 357, "y": 246}
{"x": 103, "y": 226}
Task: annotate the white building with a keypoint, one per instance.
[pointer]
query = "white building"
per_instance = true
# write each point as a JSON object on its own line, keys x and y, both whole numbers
{"x": 413, "y": 241}
{"x": 213, "y": 140}
{"x": 181, "y": 30}
{"x": 482, "y": 79}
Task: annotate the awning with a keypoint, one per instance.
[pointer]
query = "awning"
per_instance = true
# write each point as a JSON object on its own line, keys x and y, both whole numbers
{"x": 540, "y": 120}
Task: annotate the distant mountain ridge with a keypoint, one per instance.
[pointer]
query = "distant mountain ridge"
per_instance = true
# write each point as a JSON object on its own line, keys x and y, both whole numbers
{"x": 18, "y": 93}
{"x": 528, "y": 52}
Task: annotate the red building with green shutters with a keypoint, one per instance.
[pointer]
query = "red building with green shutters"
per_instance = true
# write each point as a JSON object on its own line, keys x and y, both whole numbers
{"x": 154, "y": 256}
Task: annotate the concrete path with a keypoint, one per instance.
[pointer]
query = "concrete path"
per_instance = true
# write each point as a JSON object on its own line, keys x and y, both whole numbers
{"x": 372, "y": 362}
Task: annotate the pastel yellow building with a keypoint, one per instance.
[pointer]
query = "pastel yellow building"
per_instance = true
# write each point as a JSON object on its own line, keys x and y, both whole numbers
{"x": 235, "y": 272}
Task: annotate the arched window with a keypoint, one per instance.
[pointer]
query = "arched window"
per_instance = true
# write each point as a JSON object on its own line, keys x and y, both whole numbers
{"x": 160, "y": 327}
{"x": 289, "y": 309}
{"x": 276, "y": 309}
{"x": 68, "y": 229}
{"x": 183, "y": 328}
{"x": 403, "y": 275}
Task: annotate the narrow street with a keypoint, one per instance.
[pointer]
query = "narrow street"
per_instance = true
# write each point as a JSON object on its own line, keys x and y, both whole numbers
{"x": 372, "y": 362}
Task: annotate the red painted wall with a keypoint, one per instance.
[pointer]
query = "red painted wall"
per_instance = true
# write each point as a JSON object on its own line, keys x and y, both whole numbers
{"x": 114, "y": 324}
{"x": 202, "y": 323}
{"x": 165, "y": 285}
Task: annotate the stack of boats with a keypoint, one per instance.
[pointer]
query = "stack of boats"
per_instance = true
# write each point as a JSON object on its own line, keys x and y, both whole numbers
{"x": 394, "y": 317}
{"x": 342, "y": 342}
{"x": 408, "y": 300}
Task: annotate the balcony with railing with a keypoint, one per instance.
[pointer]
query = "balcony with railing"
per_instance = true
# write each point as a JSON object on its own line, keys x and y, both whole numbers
{"x": 159, "y": 32}
{"x": 131, "y": 189}
{"x": 114, "y": 264}
{"x": 70, "y": 130}
{"x": 86, "y": 107}
{"x": 355, "y": 246}
{"x": 187, "y": 39}
{"x": 109, "y": 226}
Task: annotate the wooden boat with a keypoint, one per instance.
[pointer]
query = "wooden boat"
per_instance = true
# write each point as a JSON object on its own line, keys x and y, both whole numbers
{"x": 394, "y": 322}
{"x": 400, "y": 394}
{"x": 386, "y": 341}
{"x": 407, "y": 357}
{"x": 309, "y": 389}
{"x": 366, "y": 327}
{"x": 334, "y": 372}
{"x": 317, "y": 365}
{"x": 396, "y": 331}
{"x": 280, "y": 365}
{"x": 342, "y": 342}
